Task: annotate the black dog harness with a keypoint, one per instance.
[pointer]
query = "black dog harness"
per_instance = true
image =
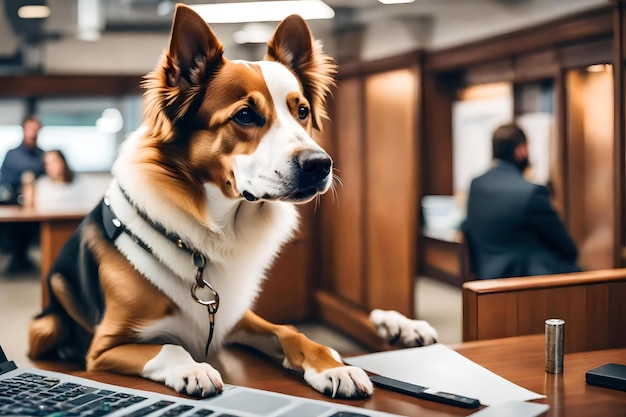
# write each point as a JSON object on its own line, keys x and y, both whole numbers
{"x": 113, "y": 227}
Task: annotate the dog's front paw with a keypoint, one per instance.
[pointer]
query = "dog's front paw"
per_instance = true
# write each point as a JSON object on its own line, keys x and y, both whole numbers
{"x": 198, "y": 379}
{"x": 175, "y": 367}
{"x": 399, "y": 330}
{"x": 342, "y": 382}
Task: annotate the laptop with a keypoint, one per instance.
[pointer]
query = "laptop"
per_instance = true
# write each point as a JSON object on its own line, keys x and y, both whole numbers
{"x": 34, "y": 392}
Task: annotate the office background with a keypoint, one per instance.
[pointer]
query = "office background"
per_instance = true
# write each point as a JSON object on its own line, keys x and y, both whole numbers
{"x": 419, "y": 86}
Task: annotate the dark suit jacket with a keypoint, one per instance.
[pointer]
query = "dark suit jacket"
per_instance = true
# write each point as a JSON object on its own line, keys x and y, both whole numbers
{"x": 513, "y": 230}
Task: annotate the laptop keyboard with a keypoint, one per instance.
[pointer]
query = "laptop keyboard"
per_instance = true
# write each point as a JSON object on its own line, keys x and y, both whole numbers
{"x": 29, "y": 394}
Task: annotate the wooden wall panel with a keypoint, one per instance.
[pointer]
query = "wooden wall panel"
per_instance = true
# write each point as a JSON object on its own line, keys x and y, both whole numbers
{"x": 591, "y": 169}
{"x": 370, "y": 232}
{"x": 586, "y": 53}
{"x": 436, "y": 148}
{"x": 290, "y": 279}
{"x": 69, "y": 85}
{"x": 619, "y": 131}
{"x": 325, "y": 211}
{"x": 443, "y": 260}
{"x": 536, "y": 66}
{"x": 616, "y": 314}
{"x": 347, "y": 207}
{"x": 391, "y": 183}
{"x": 497, "y": 318}
{"x": 489, "y": 72}
{"x": 575, "y": 149}
{"x": 596, "y": 311}
{"x": 569, "y": 304}
{"x": 289, "y": 282}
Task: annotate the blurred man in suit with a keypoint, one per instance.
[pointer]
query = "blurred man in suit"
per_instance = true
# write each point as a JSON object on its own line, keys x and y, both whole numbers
{"x": 27, "y": 157}
{"x": 511, "y": 227}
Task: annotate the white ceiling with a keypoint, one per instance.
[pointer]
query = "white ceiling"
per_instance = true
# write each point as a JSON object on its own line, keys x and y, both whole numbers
{"x": 135, "y": 34}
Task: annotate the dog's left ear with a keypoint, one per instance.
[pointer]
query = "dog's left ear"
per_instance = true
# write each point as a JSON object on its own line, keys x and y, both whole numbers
{"x": 293, "y": 46}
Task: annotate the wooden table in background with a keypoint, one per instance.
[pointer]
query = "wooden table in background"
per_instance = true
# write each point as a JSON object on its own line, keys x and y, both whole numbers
{"x": 56, "y": 226}
{"x": 518, "y": 359}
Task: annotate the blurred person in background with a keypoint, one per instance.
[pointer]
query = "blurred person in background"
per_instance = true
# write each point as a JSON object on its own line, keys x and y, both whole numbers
{"x": 60, "y": 187}
{"x": 26, "y": 158}
{"x": 511, "y": 228}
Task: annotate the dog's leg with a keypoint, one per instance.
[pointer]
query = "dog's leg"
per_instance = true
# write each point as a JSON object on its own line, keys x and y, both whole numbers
{"x": 47, "y": 330}
{"x": 322, "y": 366}
{"x": 168, "y": 364}
{"x": 400, "y": 330}
{"x": 44, "y": 333}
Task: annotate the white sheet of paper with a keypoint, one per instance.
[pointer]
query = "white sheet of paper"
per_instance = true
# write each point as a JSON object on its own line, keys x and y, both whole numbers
{"x": 438, "y": 366}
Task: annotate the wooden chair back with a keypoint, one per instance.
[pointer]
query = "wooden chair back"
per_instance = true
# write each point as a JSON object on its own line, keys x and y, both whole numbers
{"x": 592, "y": 303}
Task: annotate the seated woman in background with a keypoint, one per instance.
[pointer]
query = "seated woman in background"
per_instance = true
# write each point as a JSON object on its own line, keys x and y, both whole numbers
{"x": 59, "y": 187}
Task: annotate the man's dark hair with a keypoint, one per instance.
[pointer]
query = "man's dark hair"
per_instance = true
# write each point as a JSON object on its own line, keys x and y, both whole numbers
{"x": 505, "y": 139}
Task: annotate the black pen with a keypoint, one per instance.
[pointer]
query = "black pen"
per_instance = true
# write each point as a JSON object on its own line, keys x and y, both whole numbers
{"x": 425, "y": 393}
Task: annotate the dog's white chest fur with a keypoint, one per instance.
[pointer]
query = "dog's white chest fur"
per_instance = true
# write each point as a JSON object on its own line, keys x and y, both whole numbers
{"x": 239, "y": 246}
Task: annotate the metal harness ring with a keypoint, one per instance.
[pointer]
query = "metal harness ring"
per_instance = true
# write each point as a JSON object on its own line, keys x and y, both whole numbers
{"x": 211, "y": 304}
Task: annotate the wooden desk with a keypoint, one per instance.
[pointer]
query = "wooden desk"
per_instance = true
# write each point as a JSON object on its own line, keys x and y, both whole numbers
{"x": 518, "y": 359}
{"x": 56, "y": 226}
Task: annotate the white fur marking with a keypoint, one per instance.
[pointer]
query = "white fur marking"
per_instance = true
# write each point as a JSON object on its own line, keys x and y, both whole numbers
{"x": 269, "y": 170}
{"x": 345, "y": 381}
{"x": 393, "y": 326}
{"x": 239, "y": 247}
{"x": 177, "y": 369}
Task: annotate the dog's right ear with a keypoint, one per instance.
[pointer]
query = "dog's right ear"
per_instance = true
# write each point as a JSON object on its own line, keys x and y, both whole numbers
{"x": 194, "y": 53}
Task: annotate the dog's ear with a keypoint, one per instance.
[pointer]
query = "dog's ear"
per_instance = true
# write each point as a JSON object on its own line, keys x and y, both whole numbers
{"x": 293, "y": 46}
{"x": 194, "y": 51}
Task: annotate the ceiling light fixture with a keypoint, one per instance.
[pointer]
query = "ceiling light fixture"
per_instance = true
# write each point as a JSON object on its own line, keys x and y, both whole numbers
{"x": 111, "y": 121}
{"x": 253, "y": 33}
{"x": 90, "y": 20}
{"x": 396, "y": 1}
{"x": 598, "y": 68}
{"x": 263, "y": 11}
{"x": 33, "y": 11}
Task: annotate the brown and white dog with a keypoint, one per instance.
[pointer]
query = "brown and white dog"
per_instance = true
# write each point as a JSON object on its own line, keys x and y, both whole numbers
{"x": 201, "y": 202}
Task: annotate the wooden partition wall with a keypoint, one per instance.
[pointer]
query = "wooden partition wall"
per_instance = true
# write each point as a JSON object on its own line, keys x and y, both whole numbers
{"x": 591, "y": 303}
{"x": 371, "y": 247}
{"x": 369, "y": 230}
{"x": 558, "y": 52}
{"x": 619, "y": 127}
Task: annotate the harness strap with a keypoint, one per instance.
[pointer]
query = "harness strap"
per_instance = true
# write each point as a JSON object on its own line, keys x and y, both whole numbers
{"x": 114, "y": 227}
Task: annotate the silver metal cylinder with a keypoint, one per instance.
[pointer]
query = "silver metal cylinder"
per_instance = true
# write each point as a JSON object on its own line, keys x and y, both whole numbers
{"x": 555, "y": 334}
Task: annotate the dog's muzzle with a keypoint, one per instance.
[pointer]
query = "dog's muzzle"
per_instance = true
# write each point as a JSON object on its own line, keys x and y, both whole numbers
{"x": 310, "y": 174}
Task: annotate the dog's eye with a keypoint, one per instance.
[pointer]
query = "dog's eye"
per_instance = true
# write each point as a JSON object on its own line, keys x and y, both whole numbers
{"x": 247, "y": 117}
{"x": 303, "y": 112}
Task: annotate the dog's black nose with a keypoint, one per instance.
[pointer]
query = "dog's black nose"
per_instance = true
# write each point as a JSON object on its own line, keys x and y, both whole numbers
{"x": 314, "y": 165}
